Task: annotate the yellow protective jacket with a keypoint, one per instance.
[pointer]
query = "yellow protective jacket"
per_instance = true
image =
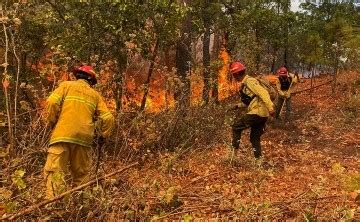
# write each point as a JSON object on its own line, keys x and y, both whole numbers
{"x": 72, "y": 110}
{"x": 287, "y": 93}
{"x": 261, "y": 104}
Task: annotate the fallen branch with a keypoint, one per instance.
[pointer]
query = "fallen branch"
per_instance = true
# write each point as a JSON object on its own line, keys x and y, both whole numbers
{"x": 297, "y": 92}
{"x": 59, "y": 197}
{"x": 299, "y": 200}
{"x": 174, "y": 213}
{"x": 296, "y": 198}
{"x": 197, "y": 179}
{"x": 326, "y": 197}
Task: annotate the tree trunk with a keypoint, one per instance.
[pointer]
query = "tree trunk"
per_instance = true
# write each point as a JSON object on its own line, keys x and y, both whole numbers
{"x": 5, "y": 83}
{"x": 336, "y": 70}
{"x": 23, "y": 68}
{"x": 206, "y": 58}
{"x": 150, "y": 71}
{"x": 214, "y": 78}
{"x": 168, "y": 64}
{"x": 17, "y": 62}
{"x": 312, "y": 80}
{"x": 286, "y": 55}
{"x": 118, "y": 90}
{"x": 273, "y": 65}
{"x": 119, "y": 79}
{"x": 286, "y": 46}
{"x": 257, "y": 51}
{"x": 183, "y": 65}
{"x": 286, "y": 9}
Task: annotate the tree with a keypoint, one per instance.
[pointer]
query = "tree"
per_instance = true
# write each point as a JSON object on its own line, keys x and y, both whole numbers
{"x": 163, "y": 21}
{"x": 183, "y": 61}
{"x": 206, "y": 17}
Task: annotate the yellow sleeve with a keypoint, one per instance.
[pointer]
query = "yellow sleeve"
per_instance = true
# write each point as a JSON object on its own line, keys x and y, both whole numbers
{"x": 105, "y": 118}
{"x": 295, "y": 78}
{"x": 53, "y": 105}
{"x": 262, "y": 93}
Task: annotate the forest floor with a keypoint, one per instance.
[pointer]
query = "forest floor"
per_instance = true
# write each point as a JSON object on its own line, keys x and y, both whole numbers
{"x": 310, "y": 171}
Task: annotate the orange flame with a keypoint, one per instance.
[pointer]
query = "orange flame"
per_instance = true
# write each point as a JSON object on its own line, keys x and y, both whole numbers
{"x": 160, "y": 94}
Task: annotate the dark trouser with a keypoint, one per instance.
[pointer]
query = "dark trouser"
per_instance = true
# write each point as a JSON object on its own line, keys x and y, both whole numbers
{"x": 257, "y": 125}
{"x": 279, "y": 107}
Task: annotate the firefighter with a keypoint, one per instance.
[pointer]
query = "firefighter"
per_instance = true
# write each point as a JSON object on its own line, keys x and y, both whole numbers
{"x": 284, "y": 84}
{"x": 259, "y": 107}
{"x": 71, "y": 112}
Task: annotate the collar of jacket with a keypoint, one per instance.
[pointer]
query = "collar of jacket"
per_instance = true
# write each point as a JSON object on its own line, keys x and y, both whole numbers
{"x": 245, "y": 78}
{"x": 84, "y": 81}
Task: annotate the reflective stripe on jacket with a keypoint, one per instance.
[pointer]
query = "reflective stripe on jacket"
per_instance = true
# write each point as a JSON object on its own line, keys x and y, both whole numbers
{"x": 72, "y": 110}
{"x": 261, "y": 104}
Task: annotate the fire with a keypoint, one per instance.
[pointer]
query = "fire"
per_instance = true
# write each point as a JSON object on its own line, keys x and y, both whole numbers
{"x": 159, "y": 98}
{"x": 197, "y": 85}
{"x": 161, "y": 88}
{"x": 226, "y": 86}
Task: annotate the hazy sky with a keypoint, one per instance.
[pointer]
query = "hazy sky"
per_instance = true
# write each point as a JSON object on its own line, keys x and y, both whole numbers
{"x": 295, "y": 5}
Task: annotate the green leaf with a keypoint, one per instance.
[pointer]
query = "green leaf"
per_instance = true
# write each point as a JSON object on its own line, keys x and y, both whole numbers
{"x": 337, "y": 168}
{"x": 348, "y": 215}
{"x": 187, "y": 218}
{"x": 309, "y": 217}
{"x": 17, "y": 179}
{"x": 19, "y": 173}
{"x": 10, "y": 207}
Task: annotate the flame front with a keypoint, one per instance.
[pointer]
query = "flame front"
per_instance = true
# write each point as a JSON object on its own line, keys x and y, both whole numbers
{"x": 160, "y": 97}
{"x": 161, "y": 87}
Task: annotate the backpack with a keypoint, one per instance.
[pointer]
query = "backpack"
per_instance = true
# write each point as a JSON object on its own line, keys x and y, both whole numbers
{"x": 265, "y": 83}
